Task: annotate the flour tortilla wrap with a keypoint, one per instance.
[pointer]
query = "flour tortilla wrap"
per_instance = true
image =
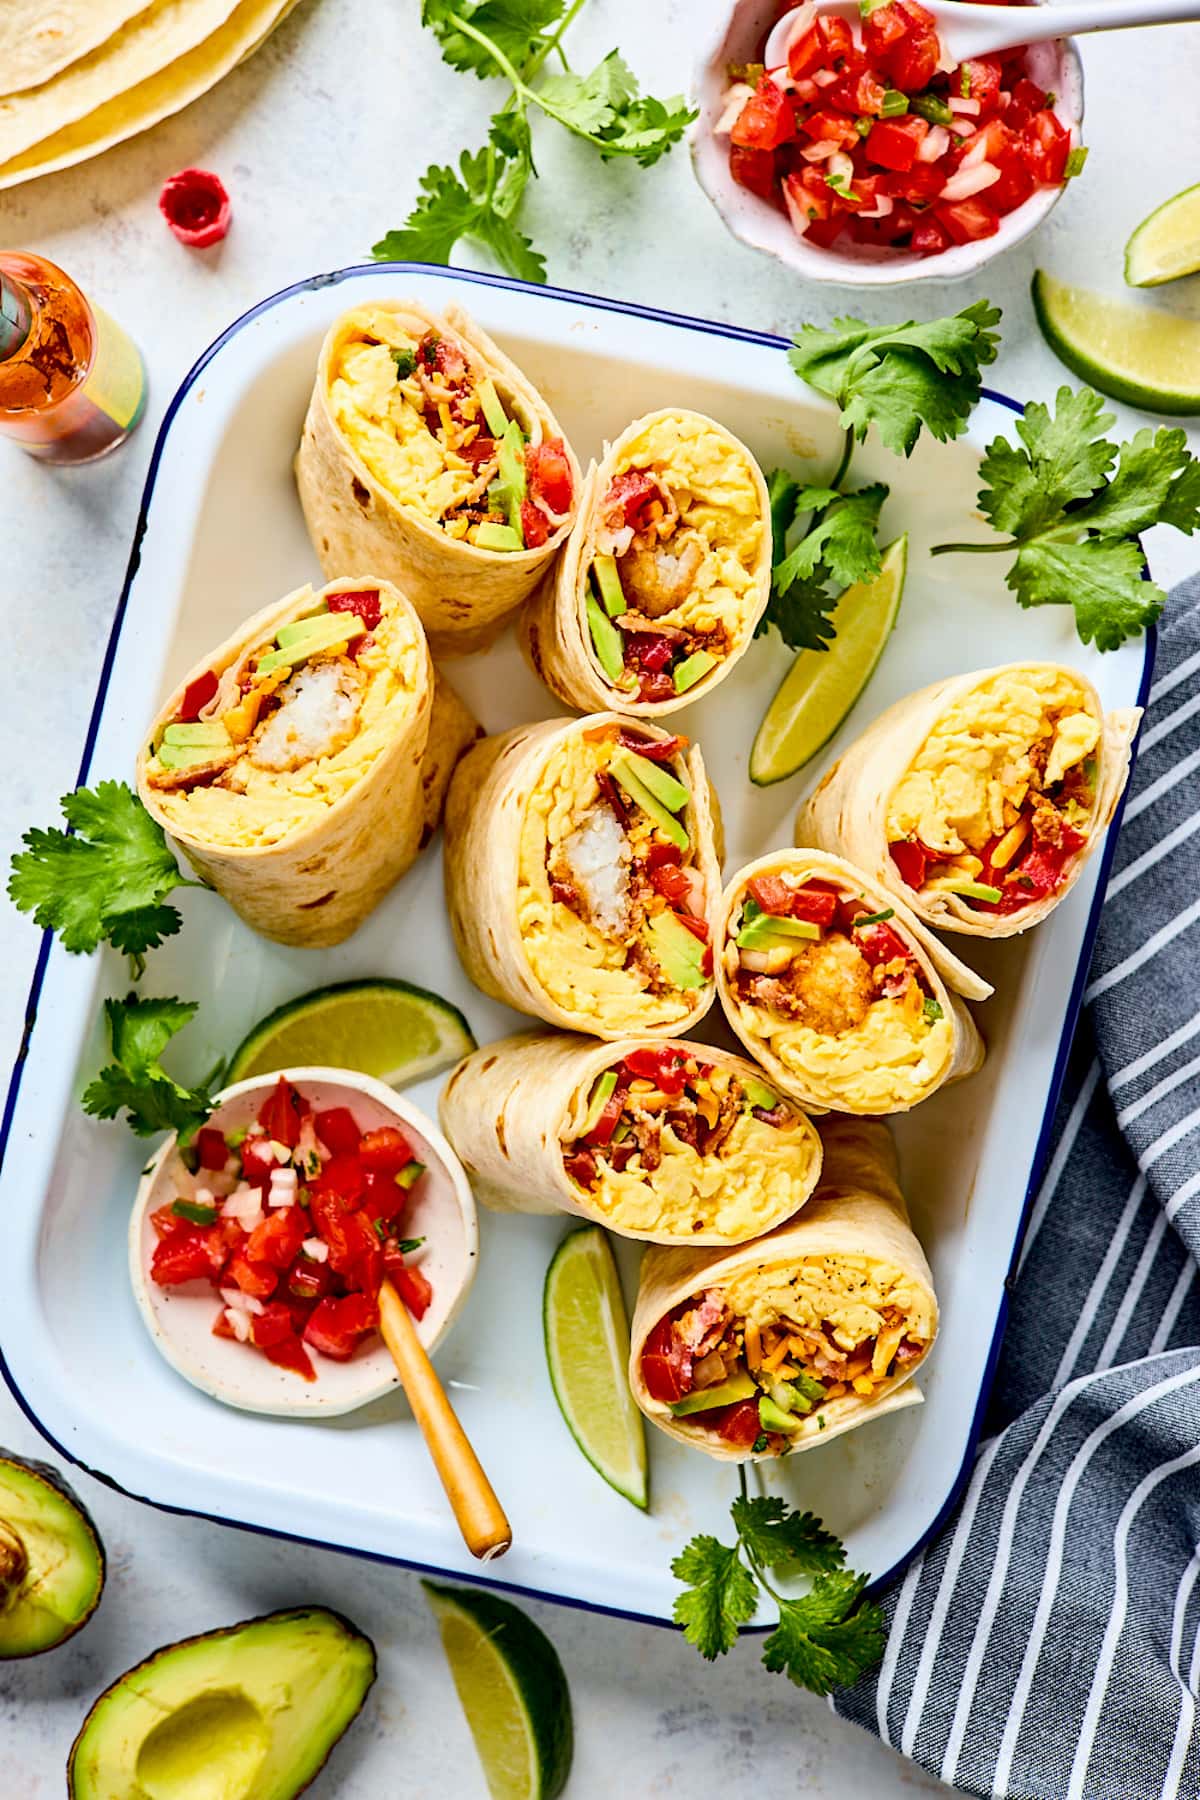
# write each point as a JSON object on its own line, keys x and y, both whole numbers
{"x": 464, "y": 594}
{"x": 856, "y": 1218}
{"x": 554, "y": 631}
{"x": 848, "y": 813}
{"x": 512, "y": 1108}
{"x": 37, "y": 41}
{"x": 512, "y": 938}
{"x": 304, "y": 856}
{"x": 896, "y": 1056}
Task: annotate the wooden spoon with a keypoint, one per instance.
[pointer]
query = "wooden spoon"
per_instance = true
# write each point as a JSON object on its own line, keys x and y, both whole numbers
{"x": 967, "y": 31}
{"x": 481, "y": 1518}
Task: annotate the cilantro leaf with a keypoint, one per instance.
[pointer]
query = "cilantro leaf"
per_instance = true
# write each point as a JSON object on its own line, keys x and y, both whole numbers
{"x": 800, "y": 613}
{"x": 478, "y": 203}
{"x": 829, "y": 1638}
{"x": 776, "y": 1537}
{"x": 900, "y": 378}
{"x": 135, "y": 1081}
{"x": 720, "y": 1595}
{"x": 607, "y": 108}
{"x": 843, "y": 539}
{"x": 515, "y": 27}
{"x": 1155, "y": 470}
{"x": 1102, "y": 578}
{"x": 1066, "y": 457}
{"x": 106, "y": 880}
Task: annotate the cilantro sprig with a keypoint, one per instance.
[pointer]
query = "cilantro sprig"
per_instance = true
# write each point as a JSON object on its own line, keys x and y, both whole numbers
{"x": 136, "y": 1083}
{"x": 104, "y": 879}
{"x": 825, "y": 1638}
{"x": 512, "y": 40}
{"x": 1073, "y": 505}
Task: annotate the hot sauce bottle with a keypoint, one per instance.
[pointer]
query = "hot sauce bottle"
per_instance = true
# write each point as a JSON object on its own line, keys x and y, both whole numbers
{"x": 72, "y": 384}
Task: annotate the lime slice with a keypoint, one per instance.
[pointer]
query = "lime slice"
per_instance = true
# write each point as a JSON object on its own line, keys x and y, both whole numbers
{"x": 587, "y": 1351}
{"x": 1145, "y": 357}
{"x": 389, "y": 1029}
{"x": 512, "y": 1688}
{"x": 822, "y": 685}
{"x": 1167, "y": 244}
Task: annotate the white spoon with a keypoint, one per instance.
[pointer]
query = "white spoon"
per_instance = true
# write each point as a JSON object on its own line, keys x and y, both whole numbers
{"x": 967, "y": 31}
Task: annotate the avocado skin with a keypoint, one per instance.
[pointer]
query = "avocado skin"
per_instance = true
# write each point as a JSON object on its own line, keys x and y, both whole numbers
{"x": 146, "y": 1670}
{"x": 50, "y": 1477}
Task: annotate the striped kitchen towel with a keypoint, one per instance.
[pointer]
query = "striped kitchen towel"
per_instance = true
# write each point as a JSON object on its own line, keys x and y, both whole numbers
{"x": 1046, "y": 1646}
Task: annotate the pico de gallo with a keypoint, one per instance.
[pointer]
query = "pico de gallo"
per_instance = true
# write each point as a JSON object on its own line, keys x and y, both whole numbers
{"x": 294, "y": 1223}
{"x": 876, "y": 137}
{"x": 753, "y": 1383}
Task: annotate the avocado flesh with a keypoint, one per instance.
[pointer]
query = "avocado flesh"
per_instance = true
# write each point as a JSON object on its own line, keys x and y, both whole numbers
{"x": 624, "y": 769}
{"x": 660, "y": 781}
{"x": 680, "y": 955}
{"x": 608, "y": 580}
{"x": 302, "y": 629}
{"x": 773, "y": 1418}
{"x": 51, "y": 1560}
{"x": 768, "y": 932}
{"x": 606, "y": 642}
{"x": 759, "y": 1095}
{"x": 726, "y": 1393}
{"x": 211, "y": 735}
{"x": 249, "y": 1713}
{"x": 339, "y": 630}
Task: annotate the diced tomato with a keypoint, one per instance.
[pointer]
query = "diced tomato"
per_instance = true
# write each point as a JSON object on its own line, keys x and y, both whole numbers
{"x": 897, "y": 228}
{"x": 581, "y": 1167}
{"x": 271, "y": 1324}
{"x": 1048, "y": 145}
{"x": 697, "y": 927}
{"x": 363, "y": 601}
{"x": 278, "y": 1239}
{"x": 772, "y": 894}
{"x": 911, "y": 863}
{"x": 980, "y": 78}
{"x": 893, "y": 143}
{"x": 1027, "y": 99}
{"x": 671, "y": 882}
{"x": 858, "y": 95}
{"x": 329, "y": 1220}
{"x": 809, "y": 194}
{"x": 767, "y": 120}
{"x": 480, "y": 450}
{"x": 535, "y": 528}
{"x": 385, "y": 1151}
{"x": 666, "y": 1364}
{"x": 649, "y": 651}
{"x": 833, "y": 128}
{"x": 661, "y": 854}
{"x": 289, "y": 1353}
{"x": 929, "y": 239}
{"x": 413, "y": 1288}
{"x": 628, "y": 496}
{"x": 839, "y": 51}
{"x": 883, "y": 29}
{"x": 222, "y": 1327}
{"x": 806, "y": 53}
{"x": 753, "y": 169}
{"x": 258, "y": 1279}
{"x": 919, "y": 185}
{"x": 913, "y": 62}
{"x": 282, "y": 1113}
{"x": 383, "y": 1198}
{"x": 655, "y": 685}
{"x": 167, "y": 1222}
{"x": 336, "y": 1327}
{"x": 211, "y": 1148}
{"x": 181, "y": 1256}
{"x": 337, "y": 1130}
{"x": 609, "y": 1118}
{"x": 740, "y": 1425}
{"x": 548, "y": 471}
{"x": 663, "y": 1065}
{"x": 258, "y": 1159}
{"x": 309, "y": 1280}
{"x": 346, "y": 1177}
{"x": 196, "y": 696}
{"x": 816, "y": 903}
{"x": 1017, "y": 181}
{"x": 229, "y": 1233}
{"x": 968, "y": 220}
{"x": 880, "y": 944}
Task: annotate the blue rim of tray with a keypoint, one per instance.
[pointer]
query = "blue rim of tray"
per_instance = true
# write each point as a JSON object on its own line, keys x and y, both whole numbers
{"x": 713, "y": 328}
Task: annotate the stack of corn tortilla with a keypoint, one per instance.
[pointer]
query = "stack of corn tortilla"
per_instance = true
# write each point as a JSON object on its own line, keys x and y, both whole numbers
{"x": 83, "y": 75}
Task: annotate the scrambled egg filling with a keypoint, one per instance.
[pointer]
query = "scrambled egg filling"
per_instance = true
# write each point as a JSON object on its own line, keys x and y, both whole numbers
{"x": 580, "y": 967}
{"x": 249, "y": 805}
{"x": 851, "y": 1293}
{"x": 712, "y": 483}
{"x": 888, "y": 1061}
{"x": 1018, "y": 733}
{"x": 383, "y": 419}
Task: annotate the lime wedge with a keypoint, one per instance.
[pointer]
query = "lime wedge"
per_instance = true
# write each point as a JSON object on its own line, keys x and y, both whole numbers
{"x": 1145, "y": 357}
{"x": 1167, "y": 244}
{"x": 822, "y": 685}
{"x": 388, "y": 1029}
{"x": 513, "y": 1691}
{"x": 587, "y": 1351}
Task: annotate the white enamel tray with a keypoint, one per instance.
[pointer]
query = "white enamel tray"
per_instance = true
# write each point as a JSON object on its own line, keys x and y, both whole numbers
{"x": 221, "y": 535}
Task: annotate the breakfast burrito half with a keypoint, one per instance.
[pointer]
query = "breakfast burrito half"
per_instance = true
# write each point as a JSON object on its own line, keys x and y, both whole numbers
{"x": 979, "y": 800}
{"x": 838, "y": 990}
{"x": 666, "y": 574}
{"x": 427, "y": 456}
{"x": 582, "y": 875}
{"x": 676, "y": 1143}
{"x": 791, "y": 1340}
{"x": 302, "y": 766}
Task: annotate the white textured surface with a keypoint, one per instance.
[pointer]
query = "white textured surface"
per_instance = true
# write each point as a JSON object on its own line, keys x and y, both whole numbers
{"x": 320, "y": 140}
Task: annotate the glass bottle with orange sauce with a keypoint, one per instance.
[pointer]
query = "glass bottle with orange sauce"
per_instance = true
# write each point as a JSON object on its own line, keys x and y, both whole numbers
{"x": 72, "y": 384}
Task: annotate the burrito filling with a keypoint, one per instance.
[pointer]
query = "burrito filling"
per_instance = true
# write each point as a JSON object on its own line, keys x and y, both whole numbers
{"x": 264, "y": 746}
{"x": 432, "y": 429}
{"x": 293, "y": 1223}
{"x": 833, "y": 990}
{"x": 672, "y": 583}
{"x": 610, "y": 903}
{"x": 997, "y": 805}
{"x": 674, "y": 1144}
{"x": 751, "y": 1361}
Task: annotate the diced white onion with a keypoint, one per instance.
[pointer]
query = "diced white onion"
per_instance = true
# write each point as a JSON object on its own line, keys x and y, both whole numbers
{"x": 735, "y": 100}
{"x": 946, "y": 63}
{"x": 841, "y": 169}
{"x": 884, "y": 206}
{"x": 797, "y": 210}
{"x": 971, "y": 181}
{"x": 280, "y": 1152}
{"x": 975, "y": 151}
{"x": 963, "y": 103}
{"x": 824, "y": 77}
{"x": 962, "y": 129}
{"x": 316, "y": 1249}
{"x": 807, "y": 90}
{"x": 310, "y": 1143}
{"x": 934, "y": 144}
{"x": 244, "y": 1205}
{"x": 781, "y": 78}
{"x": 203, "y": 1196}
{"x": 819, "y": 151}
{"x": 283, "y": 1188}
{"x": 239, "y": 1324}
{"x": 236, "y": 1301}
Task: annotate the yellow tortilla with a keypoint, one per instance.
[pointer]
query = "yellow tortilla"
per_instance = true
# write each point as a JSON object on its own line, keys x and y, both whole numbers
{"x": 40, "y": 37}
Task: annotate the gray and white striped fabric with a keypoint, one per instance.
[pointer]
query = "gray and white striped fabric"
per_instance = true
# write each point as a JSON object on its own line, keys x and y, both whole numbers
{"x": 1047, "y": 1645}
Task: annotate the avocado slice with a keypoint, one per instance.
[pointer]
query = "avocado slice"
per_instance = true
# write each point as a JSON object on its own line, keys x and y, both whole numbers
{"x": 680, "y": 954}
{"x": 315, "y": 625}
{"x": 509, "y": 488}
{"x": 757, "y": 1094}
{"x": 968, "y": 890}
{"x": 338, "y": 630}
{"x": 608, "y": 580}
{"x": 603, "y": 1092}
{"x": 492, "y": 536}
{"x": 607, "y": 642}
{"x": 51, "y": 1558}
{"x": 692, "y": 669}
{"x": 623, "y": 768}
{"x": 726, "y": 1393}
{"x": 493, "y": 406}
{"x": 773, "y": 1418}
{"x": 660, "y": 781}
{"x": 212, "y": 736}
{"x": 249, "y": 1713}
{"x": 188, "y": 756}
{"x": 766, "y": 931}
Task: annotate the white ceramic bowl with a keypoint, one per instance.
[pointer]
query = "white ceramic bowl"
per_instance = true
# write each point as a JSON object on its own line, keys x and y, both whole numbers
{"x": 1055, "y": 66}
{"x": 180, "y": 1320}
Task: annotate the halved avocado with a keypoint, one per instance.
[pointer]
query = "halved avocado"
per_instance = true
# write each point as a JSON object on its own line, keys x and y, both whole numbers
{"x": 51, "y": 1559}
{"x": 254, "y": 1710}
